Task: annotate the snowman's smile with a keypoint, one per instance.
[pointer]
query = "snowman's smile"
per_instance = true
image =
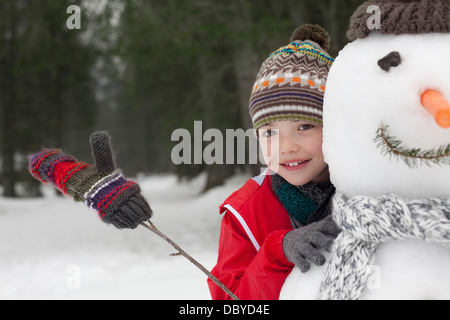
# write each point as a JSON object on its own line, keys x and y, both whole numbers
{"x": 393, "y": 147}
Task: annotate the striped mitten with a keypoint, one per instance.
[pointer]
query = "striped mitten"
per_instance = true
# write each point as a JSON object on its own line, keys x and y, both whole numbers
{"x": 102, "y": 187}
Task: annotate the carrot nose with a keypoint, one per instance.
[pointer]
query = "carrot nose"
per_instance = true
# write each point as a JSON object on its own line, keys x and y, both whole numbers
{"x": 438, "y": 106}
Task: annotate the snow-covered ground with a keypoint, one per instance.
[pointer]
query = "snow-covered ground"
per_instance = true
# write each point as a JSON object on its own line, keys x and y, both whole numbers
{"x": 54, "y": 248}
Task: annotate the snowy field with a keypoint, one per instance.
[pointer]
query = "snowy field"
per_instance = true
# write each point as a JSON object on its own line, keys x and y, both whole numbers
{"x": 54, "y": 248}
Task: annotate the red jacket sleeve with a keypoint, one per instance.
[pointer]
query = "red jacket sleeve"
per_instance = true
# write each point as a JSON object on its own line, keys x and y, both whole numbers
{"x": 250, "y": 274}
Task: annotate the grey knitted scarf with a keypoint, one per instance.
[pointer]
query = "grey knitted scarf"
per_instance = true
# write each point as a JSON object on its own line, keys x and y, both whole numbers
{"x": 366, "y": 222}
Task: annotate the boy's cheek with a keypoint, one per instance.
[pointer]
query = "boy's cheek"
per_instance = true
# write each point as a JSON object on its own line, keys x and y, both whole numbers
{"x": 270, "y": 158}
{"x": 270, "y": 151}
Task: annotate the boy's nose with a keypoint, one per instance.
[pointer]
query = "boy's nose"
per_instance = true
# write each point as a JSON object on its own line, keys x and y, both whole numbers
{"x": 438, "y": 106}
{"x": 288, "y": 145}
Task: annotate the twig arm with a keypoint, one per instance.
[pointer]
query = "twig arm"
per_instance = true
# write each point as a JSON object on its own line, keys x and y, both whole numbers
{"x": 155, "y": 230}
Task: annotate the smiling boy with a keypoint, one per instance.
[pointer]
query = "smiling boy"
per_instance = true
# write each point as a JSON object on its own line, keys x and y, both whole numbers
{"x": 300, "y": 159}
{"x": 280, "y": 219}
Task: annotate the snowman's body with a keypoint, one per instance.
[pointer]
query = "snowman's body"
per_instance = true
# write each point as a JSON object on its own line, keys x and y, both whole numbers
{"x": 410, "y": 269}
{"x": 361, "y": 101}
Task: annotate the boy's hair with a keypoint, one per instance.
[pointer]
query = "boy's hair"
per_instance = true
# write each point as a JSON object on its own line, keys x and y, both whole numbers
{"x": 291, "y": 82}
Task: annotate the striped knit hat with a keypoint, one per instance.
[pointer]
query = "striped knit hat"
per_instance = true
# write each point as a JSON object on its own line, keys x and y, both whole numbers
{"x": 291, "y": 82}
{"x": 401, "y": 17}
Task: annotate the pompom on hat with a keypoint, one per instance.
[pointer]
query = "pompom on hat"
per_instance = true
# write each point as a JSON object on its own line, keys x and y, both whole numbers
{"x": 291, "y": 82}
{"x": 401, "y": 17}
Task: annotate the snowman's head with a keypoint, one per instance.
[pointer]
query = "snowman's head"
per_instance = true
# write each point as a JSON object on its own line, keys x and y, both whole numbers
{"x": 387, "y": 115}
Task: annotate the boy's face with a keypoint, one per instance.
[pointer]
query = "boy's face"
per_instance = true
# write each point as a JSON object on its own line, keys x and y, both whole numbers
{"x": 293, "y": 149}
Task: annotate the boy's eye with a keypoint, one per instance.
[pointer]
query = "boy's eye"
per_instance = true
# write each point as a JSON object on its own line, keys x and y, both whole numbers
{"x": 269, "y": 133}
{"x": 304, "y": 127}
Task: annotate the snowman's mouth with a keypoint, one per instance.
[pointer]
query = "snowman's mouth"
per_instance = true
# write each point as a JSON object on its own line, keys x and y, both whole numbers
{"x": 413, "y": 157}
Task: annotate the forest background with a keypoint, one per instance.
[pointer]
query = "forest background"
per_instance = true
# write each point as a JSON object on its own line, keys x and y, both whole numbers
{"x": 139, "y": 69}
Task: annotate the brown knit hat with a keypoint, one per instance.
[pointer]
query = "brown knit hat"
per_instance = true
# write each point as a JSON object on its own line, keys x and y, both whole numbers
{"x": 402, "y": 17}
{"x": 291, "y": 82}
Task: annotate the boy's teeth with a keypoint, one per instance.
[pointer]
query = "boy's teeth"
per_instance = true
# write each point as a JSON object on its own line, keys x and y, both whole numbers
{"x": 294, "y": 164}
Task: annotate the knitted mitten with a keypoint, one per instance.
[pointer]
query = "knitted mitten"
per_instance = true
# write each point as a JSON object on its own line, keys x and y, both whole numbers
{"x": 302, "y": 246}
{"x": 102, "y": 187}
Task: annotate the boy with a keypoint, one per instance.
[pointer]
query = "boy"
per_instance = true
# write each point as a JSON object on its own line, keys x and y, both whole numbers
{"x": 279, "y": 219}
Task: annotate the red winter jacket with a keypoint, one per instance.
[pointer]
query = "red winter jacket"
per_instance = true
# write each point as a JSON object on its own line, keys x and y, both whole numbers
{"x": 251, "y": 261}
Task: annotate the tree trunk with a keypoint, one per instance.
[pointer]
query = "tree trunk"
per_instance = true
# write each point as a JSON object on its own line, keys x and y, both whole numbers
{"x": 246, "y": 66}
{"x": 8, "y": 102}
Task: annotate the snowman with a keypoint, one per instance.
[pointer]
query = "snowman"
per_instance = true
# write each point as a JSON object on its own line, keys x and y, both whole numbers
{"x": 387, "y": 143}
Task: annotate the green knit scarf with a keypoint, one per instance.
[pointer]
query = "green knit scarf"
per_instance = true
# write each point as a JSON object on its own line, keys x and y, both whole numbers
{"x": 301, "y": 202}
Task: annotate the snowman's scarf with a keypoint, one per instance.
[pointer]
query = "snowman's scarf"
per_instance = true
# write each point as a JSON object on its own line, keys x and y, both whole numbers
{"x": 366, "y": 222}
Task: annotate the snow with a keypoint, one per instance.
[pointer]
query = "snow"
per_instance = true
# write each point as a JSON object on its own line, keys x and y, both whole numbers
{"x": 54, "y": 248}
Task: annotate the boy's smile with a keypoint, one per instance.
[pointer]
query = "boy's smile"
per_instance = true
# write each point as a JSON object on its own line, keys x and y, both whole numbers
{"x": 293, "y": 149}
{"x": 294, "y": 164}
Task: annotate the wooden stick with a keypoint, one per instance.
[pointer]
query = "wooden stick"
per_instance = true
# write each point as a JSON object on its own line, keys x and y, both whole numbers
{"x": 155, "y": 230}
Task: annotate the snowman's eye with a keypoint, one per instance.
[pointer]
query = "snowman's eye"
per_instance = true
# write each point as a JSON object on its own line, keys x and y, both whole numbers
{"x": 393, "y": 59}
